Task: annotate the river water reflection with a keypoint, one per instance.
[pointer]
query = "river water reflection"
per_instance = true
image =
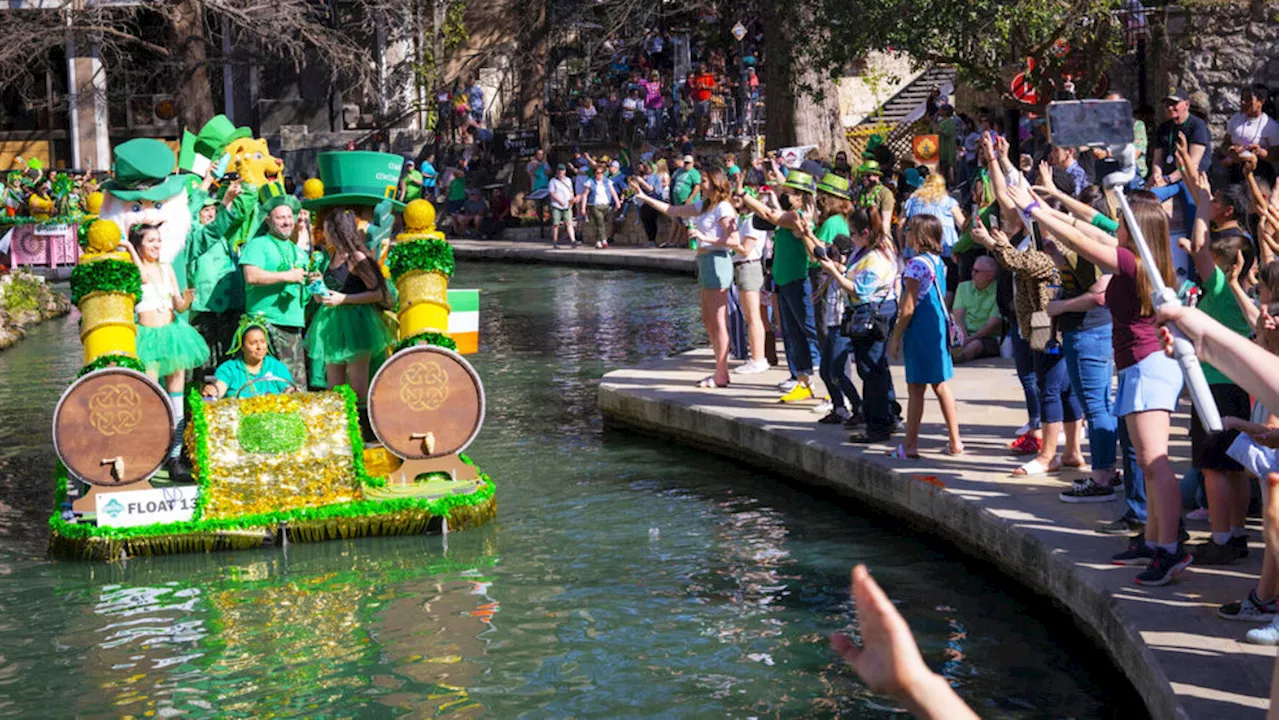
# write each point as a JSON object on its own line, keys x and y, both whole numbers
{"x": 622, "y": 577}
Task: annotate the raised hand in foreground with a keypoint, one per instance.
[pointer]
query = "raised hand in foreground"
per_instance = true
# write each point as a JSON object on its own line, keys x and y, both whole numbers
{"x": 888, "y": 660}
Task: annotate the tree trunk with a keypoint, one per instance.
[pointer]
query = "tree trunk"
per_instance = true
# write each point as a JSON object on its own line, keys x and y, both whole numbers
{"x": 195, "y": 94}
{"x": 793, "y": 116}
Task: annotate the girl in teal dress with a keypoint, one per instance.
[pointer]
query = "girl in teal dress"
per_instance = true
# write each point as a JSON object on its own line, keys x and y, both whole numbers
{"x": 348, "y": 329}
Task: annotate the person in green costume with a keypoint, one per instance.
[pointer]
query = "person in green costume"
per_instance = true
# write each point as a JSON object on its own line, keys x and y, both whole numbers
{"x": 275, "y": 264}
{"x": 212, "y": 269}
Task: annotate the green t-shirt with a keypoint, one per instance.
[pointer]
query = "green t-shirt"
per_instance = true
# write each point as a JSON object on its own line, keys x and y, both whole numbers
{"x": 457, "y": 188}
{"x": 831, "y": 228}
{"x": 686, "y": 185}
{"x": 979, "y": 305}
{"x": 412, "y": 185}
{"x": 1217, "y": 301}
{"x": 790, "y": 259}
{"x": 283, "y": 304}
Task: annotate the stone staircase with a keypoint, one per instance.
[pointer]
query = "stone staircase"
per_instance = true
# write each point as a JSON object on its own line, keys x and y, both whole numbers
{"x": 890, "y": 121}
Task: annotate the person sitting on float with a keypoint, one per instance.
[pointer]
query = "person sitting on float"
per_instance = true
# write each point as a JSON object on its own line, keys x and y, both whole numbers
{"x": 255, "y": 372}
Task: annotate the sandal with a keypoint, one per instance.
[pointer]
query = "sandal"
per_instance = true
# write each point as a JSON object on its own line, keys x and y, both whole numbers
{"x": 1031, "y": 468}
{"x": 899, "y": 453}
{"x": 1080, "y": 466}
{"x": 710, "y": 382}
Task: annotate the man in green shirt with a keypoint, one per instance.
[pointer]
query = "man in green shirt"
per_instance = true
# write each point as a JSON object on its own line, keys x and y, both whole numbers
{"x": 275, "y": 276}
{"x": 976, "y": 314}
{"x": 688, "y": 185}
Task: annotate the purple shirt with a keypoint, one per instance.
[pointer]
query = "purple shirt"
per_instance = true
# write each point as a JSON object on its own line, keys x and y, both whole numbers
{"x": 1134, "y": 335}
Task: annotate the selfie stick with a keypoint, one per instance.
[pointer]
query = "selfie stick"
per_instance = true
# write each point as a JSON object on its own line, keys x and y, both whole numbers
{"x": 1183, "y": 350}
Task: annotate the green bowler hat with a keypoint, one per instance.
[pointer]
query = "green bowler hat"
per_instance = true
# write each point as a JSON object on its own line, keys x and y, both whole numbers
{"x": 869, "y": 167}
{"x": 217, "y": 134}
{"x": 833, "y": 184}
{"x": 141, "y": 169}
{"x": 801, "y": 181}
{"x": 272, "y": 196}
{"x": 358, "y": 177}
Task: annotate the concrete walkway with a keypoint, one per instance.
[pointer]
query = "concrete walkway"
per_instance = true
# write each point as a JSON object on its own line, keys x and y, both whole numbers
{"x": 1183, "y": 660}
{"x": 668, "y": 260}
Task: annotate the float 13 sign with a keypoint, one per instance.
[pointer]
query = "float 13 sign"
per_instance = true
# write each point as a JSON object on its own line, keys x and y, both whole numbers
{"x": 146, "y": 507}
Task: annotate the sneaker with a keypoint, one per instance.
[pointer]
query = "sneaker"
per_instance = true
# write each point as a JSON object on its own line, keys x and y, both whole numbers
{"x": 1164, "y": 568}
{"x": 1240, "y": 544}
{"x": 856, "y": 420}
{"x": 1026, "y": 444}
{"x": 1211, "y": 553}
{"x": 1126, "y": 525}
{"x": 823, "y": 407}
{"x": 788, "y": 385}
{"x": 751, "y": 367}
{"x": 835, "y": 417}
{"x": 1265, "y": 635}
{"x": 1198, "y": 514}
{"x": 1088, "y": 492}
{"x": 1250, "y": 609}
{"x": 1136, "y": 554}
{"x": 870, "y": 437}
{"x": 1024, "y": 430}
{"x": 797, "y": 394}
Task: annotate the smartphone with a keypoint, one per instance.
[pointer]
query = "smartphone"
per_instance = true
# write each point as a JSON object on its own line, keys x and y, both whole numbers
{"x": 1097, "y": 123}
{"x": 231, "y": 177}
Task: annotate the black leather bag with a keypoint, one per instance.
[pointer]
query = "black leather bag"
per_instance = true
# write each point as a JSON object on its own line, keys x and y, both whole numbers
{"x": 864, "y": 322}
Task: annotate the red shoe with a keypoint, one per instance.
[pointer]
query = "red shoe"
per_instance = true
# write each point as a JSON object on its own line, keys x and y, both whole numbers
{"x": 1027, "y": 444}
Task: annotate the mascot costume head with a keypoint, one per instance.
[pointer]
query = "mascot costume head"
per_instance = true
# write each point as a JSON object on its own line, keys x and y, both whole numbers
{"x": 144, "y": 189}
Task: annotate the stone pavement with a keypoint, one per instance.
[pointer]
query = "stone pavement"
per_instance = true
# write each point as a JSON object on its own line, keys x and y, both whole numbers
{"x": 1183, "y": 660}
{"x": 669, "y": 260}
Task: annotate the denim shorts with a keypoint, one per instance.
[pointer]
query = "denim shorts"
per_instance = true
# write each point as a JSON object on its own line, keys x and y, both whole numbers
{"x": 715, "y": 270}
{"x": 1152, "y": 384}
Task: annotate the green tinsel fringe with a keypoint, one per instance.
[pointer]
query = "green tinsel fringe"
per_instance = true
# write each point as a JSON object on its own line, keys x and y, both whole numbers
{"x": 429, "y": 255}
{"x": 106, "y": 276}
{"x": 430, "y": 338}
{"x": 124, "y": 361}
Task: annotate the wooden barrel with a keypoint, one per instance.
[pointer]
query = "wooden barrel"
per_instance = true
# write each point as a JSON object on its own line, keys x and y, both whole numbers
{"x": 426, "y": 402}
{"x": 113, "y": 413}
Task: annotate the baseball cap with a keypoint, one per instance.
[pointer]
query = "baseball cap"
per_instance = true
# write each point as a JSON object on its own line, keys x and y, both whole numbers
{"x": 560, "y": 166}
{"x": 1177, "y": 94}
{"x": 688, "y": 158}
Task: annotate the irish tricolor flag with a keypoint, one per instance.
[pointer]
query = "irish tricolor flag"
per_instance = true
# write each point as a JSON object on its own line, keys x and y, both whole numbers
{"x": 464, "y": 320}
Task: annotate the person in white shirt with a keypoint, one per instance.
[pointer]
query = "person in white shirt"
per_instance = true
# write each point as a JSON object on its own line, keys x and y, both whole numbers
{"x": 600, "y": 195}
{"x": 562, "y": 196}
{"x": 1251, "y": 131}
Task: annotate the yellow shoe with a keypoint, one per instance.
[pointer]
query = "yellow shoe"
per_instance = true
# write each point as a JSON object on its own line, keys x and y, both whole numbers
{"x": 798, "y": 393}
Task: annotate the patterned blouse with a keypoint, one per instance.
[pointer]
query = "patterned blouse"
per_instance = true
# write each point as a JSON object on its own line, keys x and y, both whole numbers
{"x": 1035, "y": 279}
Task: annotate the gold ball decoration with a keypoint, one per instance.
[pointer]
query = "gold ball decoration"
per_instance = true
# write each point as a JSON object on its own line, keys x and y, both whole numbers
{"x": 313, "y": 188}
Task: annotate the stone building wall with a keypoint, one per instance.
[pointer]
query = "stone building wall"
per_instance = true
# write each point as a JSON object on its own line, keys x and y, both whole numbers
{"x": 1212, "y": 48}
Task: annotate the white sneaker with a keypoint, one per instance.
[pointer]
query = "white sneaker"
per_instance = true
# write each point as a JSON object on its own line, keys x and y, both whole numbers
{"x": 751, "y": 367}
{"x": 823, "y": 408}
{"x": 1265, "y": 635}
{"x": 788, "y": 385}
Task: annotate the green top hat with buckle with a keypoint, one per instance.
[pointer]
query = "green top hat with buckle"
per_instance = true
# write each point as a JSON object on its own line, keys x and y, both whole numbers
{"x": 833, "y": 184}
{"x": 272, "y": 196}
{"x": 870, "y": 167}
{"x": 141, "y": 169}
{"x": 801, "y": 181}
{"x": 358, "y": 177}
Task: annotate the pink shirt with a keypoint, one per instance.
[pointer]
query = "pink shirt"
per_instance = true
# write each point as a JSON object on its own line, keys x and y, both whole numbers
{"x": 653, "y": 94}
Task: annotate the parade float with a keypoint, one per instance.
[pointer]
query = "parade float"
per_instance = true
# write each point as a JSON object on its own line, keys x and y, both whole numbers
{"x": 280, "y": 468}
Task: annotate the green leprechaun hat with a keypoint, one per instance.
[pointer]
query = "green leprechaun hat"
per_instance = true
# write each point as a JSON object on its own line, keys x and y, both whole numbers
{"x": 272, "y": 196}
{"x": 801, "y": 181}
{"x": 198, "y": 151}
{"x": 833, "y": 184}
{"x": 142, "y": 169}
{"x": 358, "y": 177}
{"x": 870, "y": 167}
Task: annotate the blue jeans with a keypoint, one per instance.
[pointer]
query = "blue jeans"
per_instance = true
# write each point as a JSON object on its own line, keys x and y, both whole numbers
{"x": 1088, "y": 355}
{"x": 1023, "y": 360}
{"x": 799, "y": 334}
{"x": 878, "y": 398}
{"x": 1057, "y": 401}
{"x": 833, "y": 370}
{"x": 1192, "y": 485}
{"x": 1135, "y": 489}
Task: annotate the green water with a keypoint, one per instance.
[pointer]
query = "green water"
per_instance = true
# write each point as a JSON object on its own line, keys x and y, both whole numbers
{"x": 623, "y": 577}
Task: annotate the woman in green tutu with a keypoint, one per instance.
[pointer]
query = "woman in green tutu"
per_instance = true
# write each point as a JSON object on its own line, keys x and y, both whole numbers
{"x": 167, "y": 345}
{"x": 348, "y": 329}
